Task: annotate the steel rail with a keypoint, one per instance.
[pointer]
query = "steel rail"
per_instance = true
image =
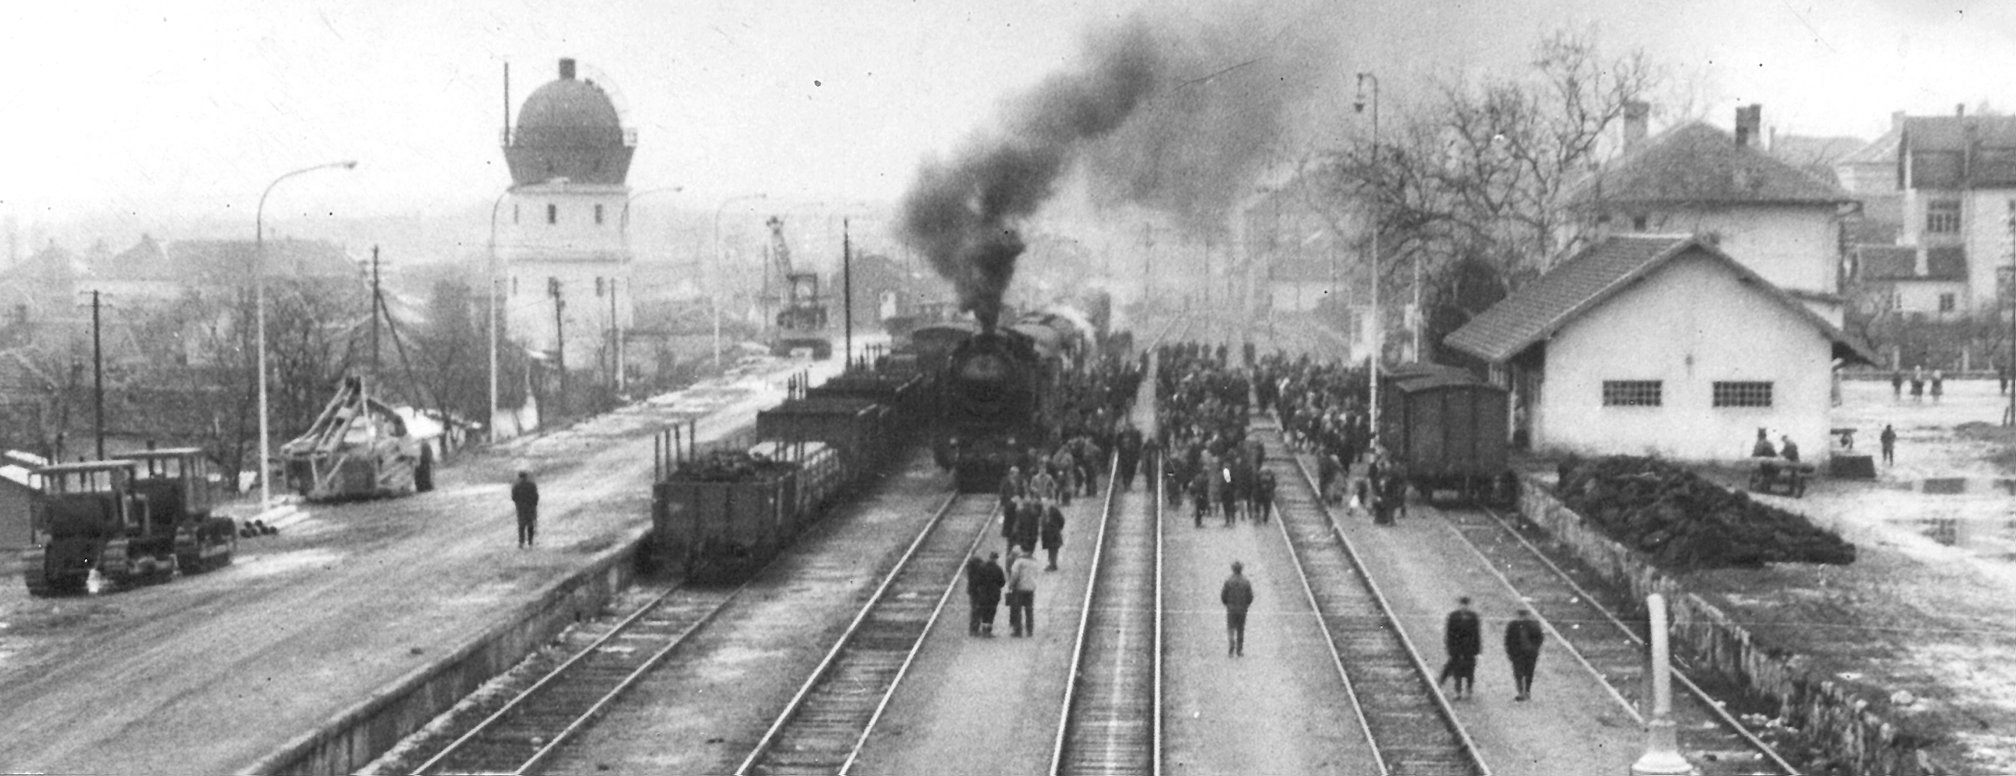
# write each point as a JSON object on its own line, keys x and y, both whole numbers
{"x": 911, "y": 658}
{"x": 1329, "y": 639}
{"x": 833, "y": 654}
{"x": 1455, "y": 726}
{"x": 553, "y": 679}
{"x": 1707, "y": 702}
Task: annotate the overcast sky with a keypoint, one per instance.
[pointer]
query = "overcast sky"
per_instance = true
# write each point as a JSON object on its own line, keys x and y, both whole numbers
{"x": 190, "y": 107}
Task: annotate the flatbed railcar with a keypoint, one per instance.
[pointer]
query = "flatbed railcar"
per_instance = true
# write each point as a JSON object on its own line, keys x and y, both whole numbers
{"x": 1448, "y": 431}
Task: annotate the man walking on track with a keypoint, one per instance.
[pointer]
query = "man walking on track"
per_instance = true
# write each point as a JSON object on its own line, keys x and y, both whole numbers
{"x": 1237, "y": 595}
{"x": 1130, "y": 456}
{"x": 1022, "y": 575}
{"x": 984, "y": 580}
{"x": 1522, "y": 645}
{"x": 525, "y": 494}
{"x": 1463, "y": 637}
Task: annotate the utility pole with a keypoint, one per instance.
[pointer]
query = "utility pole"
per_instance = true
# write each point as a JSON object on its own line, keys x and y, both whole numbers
{"x": 1378, "y": 326}
{"x": 615, "y": 340}
{"x": 1147, "y": 264}
{"x": 559, "y": 340}
{"x": 98, "y": 375}
{"x": 847, "y": 291}
{"x": 377, "y": 303}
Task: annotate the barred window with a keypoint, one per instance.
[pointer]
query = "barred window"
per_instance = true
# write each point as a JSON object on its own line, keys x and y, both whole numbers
{"x": 1632, "y": 393}
{"x": 1742, "y": 394}
{"x": 1942, "y": 215}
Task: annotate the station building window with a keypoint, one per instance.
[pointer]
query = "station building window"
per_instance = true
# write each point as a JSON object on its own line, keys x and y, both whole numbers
{"x": 1947, "y": 302}
{"x": 1633, "y": 393}
{"x": 1742, "y": 394}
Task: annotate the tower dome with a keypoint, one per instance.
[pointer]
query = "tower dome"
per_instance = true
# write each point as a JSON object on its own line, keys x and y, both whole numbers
{"x": 569, "y": 128}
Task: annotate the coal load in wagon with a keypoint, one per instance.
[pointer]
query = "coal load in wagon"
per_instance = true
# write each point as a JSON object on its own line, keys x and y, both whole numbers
{"x": 1685, "y": 522}
{"x": 724, "y": 514}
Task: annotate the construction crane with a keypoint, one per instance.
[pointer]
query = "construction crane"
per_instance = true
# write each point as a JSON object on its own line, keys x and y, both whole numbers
{"x": 801, "y": 323}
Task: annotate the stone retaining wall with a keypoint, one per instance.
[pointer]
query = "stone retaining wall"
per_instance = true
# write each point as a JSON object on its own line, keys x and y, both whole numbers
{"x": 1703, "y": 635}
{"x": 355, "y": 736}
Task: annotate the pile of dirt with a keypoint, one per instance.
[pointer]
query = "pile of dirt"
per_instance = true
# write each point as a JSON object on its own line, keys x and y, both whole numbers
{"x": 1685, "y": 522}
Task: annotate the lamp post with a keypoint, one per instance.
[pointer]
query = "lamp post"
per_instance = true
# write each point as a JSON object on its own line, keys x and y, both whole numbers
{"x": 1378, "y": 327}
{"x": 259, "y": 304}
{"x": 721, "y": 257}
{"x": 491, "y": 424}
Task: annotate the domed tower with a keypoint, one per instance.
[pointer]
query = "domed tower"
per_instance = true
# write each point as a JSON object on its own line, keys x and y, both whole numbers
{"x": 560, "y": 225}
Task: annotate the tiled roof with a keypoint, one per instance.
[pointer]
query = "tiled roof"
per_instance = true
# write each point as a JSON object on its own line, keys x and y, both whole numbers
{"x": 1882, "y": 150}
{"x": 1699, "y": 164}
{"x": 1542, "y": 307}
{"x": 1950, "y": 133}
{"x": 1886, "y": 262}
{"x": 233, "y": 261}
{"x": 1946, "y": 262}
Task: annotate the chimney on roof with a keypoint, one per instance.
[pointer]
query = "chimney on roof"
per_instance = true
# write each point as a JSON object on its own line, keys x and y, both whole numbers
{"x": 1960, "y": 110}
{"x": 1636, "y": 112}
{"x": 1749, "y": 118}
{"x": 566, "y": 69}
{"x": 1896, "y": 119}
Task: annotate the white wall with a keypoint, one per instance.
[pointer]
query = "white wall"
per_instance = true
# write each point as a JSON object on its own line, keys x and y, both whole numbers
{"x": 1922, "y": 296}
{"x": 578, "y": 252}
{"x": 1689, "y": 324}
{"x": 1797, "y": 248}
{"x": 1984, "y": 217}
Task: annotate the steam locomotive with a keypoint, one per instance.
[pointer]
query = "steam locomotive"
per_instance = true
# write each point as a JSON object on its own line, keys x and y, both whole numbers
{"x": 995, "y": 387}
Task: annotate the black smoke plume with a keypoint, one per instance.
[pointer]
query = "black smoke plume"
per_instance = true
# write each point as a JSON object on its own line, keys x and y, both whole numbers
{"x": 964, "y": 215}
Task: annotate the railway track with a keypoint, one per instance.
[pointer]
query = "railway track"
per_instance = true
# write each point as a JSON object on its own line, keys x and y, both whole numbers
{"x": 1589, "y": 626}
{"x": 822, "y": 728}
{"x": 531, "y": 726}
{"x": 1409, "y": 725}
{"x": 1112, "y": 716}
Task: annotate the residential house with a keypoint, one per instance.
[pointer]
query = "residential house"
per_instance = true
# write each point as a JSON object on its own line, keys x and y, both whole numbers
{"x": 1660, "y": 345}
{"x": 1958, "y": 179}
{"x": 1782, "y": 222}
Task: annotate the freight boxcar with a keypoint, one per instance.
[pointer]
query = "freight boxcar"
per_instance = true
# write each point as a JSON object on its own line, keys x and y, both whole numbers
{"x": 1448, "y": 430}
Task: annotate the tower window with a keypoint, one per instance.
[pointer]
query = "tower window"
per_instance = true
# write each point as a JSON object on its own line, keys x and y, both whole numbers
{"x": 514, "y": 212}
{"x": 552, "y": 214}
{"x": 598, "y": 280}
{"x": 514, "y": 285}
{"x": 598, "y": 215}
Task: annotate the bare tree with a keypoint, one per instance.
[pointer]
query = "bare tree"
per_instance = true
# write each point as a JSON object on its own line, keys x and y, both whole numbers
{"x": 1479, "y": 179}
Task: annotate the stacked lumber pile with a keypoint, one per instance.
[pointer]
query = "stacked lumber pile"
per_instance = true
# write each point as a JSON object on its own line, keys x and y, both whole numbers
{"x": 1685, "y": 522}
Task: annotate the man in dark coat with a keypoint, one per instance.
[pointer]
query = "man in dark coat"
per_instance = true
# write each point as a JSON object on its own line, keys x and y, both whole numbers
{"x": 1053, "y": 533}
{"x": 984, "y": 580}
{"x": 1028, "y": 525}
{"x": 1463, "y": 637}
{"x": 1889, "y": 442}
{"x": 1262, "y": 506}
{"x": 525, "y": 494}
{"x": 1130, "y": 456}
{"x": 1237, "y": 596}
{"x": 1522, "y": 645}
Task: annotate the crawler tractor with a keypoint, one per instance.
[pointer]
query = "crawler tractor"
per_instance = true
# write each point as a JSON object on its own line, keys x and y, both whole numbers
{"x": 135, "y": 520}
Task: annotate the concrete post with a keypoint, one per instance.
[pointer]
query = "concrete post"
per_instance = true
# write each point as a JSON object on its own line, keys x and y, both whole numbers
{"x": 1662, "y": 749}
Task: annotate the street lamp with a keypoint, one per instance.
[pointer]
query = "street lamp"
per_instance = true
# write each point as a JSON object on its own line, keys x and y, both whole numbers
{"x": 259, "y": 304}
{"x": 491, "y": 424}
{"x": 720, "y": 258}
{"x": 1378, "y": 327}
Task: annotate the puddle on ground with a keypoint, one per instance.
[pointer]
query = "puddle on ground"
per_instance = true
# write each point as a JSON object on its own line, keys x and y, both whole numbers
{"x": 1955, "y": 486}
{"x": 1993, "y": 537}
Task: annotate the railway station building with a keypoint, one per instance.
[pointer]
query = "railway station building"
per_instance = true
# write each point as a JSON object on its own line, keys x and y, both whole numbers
{"x": 1660, "y": 345}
